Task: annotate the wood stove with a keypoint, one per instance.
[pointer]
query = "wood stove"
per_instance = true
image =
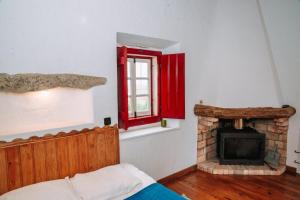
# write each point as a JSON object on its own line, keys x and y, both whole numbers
{"x": 240, "y": 147}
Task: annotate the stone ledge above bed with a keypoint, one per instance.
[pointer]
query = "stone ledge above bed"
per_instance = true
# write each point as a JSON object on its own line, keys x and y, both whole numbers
{"x": 21, "y": 83}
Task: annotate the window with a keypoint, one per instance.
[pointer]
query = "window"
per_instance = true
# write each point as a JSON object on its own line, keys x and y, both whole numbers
{"x": 145, "y": 86}
{"x": 139, "y": 86}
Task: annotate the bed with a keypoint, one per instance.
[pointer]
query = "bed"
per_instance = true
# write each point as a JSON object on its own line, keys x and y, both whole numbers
{"x": 80, "y": 165}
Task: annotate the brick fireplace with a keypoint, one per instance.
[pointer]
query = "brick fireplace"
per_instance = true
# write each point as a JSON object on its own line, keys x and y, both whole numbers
{"x": 273, "y": 122}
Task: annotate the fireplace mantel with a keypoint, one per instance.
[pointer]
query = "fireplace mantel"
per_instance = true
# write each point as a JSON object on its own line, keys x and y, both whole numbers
{"x": 246, "y": 113}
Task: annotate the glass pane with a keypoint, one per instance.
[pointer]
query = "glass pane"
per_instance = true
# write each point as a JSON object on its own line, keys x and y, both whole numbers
{"x": 142, "y": 69}
{"x": 142, "y": 104}
{"x": 129, "y": 87}
{"x": 142, "y": 87}
{"x": 128, "y": 69}
{"x": 130, "y": 111}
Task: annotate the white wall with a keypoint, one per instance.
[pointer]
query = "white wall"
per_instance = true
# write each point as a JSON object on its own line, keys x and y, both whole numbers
{"x": 80, "y": 37}
{"x": 239, "y": 53}
{"x": 283, "y": 24}
{"x": 35, "y": 111}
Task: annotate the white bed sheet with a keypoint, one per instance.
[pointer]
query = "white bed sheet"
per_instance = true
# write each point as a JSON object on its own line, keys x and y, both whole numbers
{"x": 48, "y": 190}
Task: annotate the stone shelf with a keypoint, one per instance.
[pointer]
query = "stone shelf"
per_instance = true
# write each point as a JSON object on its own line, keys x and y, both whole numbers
{"x": 21, "y": 83}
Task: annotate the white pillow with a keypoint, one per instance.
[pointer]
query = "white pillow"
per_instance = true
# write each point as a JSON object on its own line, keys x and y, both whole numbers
{"x": 146, "y": 180}
{"x": 49, "y": 190}
{"x": 106, "y": 183}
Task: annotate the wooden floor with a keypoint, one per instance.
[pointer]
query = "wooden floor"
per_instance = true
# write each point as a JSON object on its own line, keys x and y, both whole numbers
{"x": 204, "y": 186}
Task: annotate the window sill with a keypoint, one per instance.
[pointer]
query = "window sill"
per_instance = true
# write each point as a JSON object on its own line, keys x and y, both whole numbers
{"x": 126, "y": 135}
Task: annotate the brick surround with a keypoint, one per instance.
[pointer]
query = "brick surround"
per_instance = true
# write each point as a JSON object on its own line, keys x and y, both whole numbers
{"x": 276, "y": 134}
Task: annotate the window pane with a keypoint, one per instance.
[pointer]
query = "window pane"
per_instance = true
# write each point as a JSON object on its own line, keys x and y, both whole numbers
{"x": 130, "y": 111}
{"x": 142, "y": 104}
{"x": 142, "y": 87}
{"x": 128, "y": 69}
{"x": 129, "y": 87}
{"x": 142, "y": 69}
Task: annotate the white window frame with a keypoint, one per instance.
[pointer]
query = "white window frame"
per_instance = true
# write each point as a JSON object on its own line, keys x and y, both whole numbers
{"x": 132, "y": 65}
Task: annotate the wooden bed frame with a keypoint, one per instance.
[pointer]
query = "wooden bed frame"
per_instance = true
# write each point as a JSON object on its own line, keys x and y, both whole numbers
{"x": 37, "y": 159}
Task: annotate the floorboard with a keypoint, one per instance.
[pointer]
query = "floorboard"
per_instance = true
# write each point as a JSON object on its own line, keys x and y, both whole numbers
{"x": 204, "y": 186}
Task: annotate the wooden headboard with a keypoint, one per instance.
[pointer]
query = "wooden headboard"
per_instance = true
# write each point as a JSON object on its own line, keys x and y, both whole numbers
{"x": 37, "y": 159}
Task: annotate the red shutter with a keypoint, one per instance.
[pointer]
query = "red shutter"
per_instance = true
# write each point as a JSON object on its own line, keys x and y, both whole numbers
{"x": 122, "y": 88}
{"x": 173, "y": 86}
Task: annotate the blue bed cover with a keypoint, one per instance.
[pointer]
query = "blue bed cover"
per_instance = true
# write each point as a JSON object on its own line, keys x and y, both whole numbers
{"x": 156, "y": 191}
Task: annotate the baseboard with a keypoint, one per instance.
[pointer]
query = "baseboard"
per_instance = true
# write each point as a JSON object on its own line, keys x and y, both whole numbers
{"x": 291, "y": 170}
{"x": 178, "y": 174}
